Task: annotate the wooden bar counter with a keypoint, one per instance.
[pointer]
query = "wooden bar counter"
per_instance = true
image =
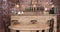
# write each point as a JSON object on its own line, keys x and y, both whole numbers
{"x": 27, "y": 26}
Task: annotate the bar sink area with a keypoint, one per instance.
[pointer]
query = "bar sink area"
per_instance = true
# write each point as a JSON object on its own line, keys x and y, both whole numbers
{"x": 29, "y": 15}
{"x": 33, "y": 23}
{"x": 33, "y": 16}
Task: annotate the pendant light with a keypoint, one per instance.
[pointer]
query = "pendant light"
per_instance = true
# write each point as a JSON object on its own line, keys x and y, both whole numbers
{"x": 17, "y": 3}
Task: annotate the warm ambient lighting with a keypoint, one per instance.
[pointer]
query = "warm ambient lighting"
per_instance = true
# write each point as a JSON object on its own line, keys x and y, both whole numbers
{"x": 34, "y": 5}
{"x": 46, "y": 12}
{"x": 20, "y": 12}
{"x": 46, "y": 9}
{"x": 17, "y": 5}
{"x": 52, "y": 5}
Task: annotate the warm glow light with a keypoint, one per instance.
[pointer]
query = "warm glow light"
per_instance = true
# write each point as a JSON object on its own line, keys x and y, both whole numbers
{"x": 52, "y": 5}
{"x": 34, "y": 5}
{"x": 19, "y": 13}
{"x": 45, "y": 9}
{"x": 17, "y": 5}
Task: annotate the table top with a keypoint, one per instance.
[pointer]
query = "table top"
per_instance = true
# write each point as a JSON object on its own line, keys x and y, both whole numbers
{"x": 29, "y": 27}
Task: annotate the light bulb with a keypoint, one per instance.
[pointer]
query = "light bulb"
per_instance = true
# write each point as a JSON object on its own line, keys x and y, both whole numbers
{"x": 34, "y": 5}
{"x": 19, "y": 13}
{"x": 17, "y": 5}
{"x": 52, "y": 5}
{"x": 45, "y": 9}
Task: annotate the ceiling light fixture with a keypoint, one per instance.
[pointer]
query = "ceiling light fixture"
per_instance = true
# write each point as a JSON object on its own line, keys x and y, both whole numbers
{"x": 17, "y": 3}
